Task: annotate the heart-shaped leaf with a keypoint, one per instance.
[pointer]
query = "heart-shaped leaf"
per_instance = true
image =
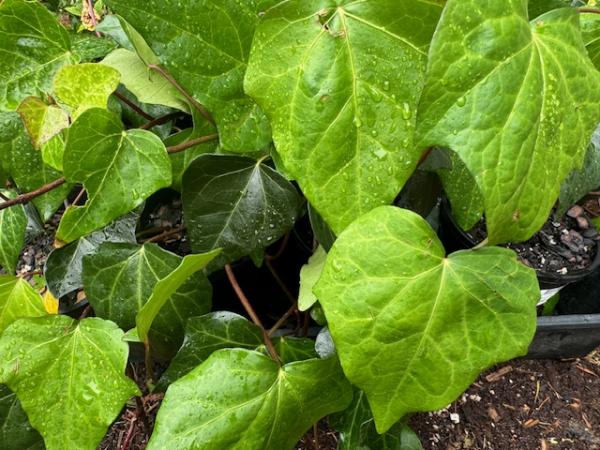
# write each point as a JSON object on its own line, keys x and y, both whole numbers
{"x": 68, "y": 375}
{"x": 412, "y": 327}
{"x": 118, "y": 168}
{"x": 33, "y": 46}
{"x": 206, "y": 48}
{"x": 340, "y": 82}
{"x": 237, "y": 204}
{"x": 17, "y": 300}
{"x": 42, "y": 122}
{"x": 520, "y": 145}
{"x": 16, "y": 432}
{"x": 261, "y": 406}
{"x": 13, "y": 225}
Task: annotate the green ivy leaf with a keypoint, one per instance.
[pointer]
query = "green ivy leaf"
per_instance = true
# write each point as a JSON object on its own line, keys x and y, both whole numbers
{"x": 17, "y": 300}
{"x": 43, "y": 122}
{"x": 236, "y": 203}
{"x": 208, "y": 60}
{"x": 590, "y": 31}
{"x": 520, "y": 145}
{"x": 291, "y": 349}
{"x": 53, "y": 152}
{"x": 119, "y": 279}
{"x": 260, "y": 406}
{"x": 309, "y": 275}
{"x": 85, "y": 86}
{"x": 13, "y": 225}
{"x": 64, "y": 266}
{"x": 539, "y": 7}
{"x": 164, "y": 289}
{"x": 88, "y": 47}
{"x": 206, "y": 334}
{"x": 16, "y": 432}
{"x": 340, "y": 82}
{"x": 118, "y": 168}
{"x": 32, "y": 50}
{"x": 68, "y": 375}
{"x": 357, "y": 430}
{"x": 146, "y": 85}
{"x": 414, "y": 328}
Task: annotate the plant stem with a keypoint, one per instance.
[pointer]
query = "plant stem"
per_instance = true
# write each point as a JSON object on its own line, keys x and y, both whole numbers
{"x": 191, "y": 143}
{"x": 133, "y": 106}
{"x": 161, "y": 120}
{"x": 248, "y": 307}
{"x": 4, "y": 197}
{"x": 284, "y": 318}
{"x": 284, "y": 243}
{"x": 589, "y": 10}
{"x": 79, "y": 196}
{"x": 481, "y": 244}
{"x": 148, "y": 362}
{"x": 166, "y": 234}
{"x": 167, "y": 76}
{"x": 27, "y": 197}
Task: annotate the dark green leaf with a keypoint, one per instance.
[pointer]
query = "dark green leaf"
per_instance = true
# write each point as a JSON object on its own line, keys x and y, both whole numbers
{"x": 17, "y": 300}
{"x": 321, "y": 230}
{"x": 88, "y": 47}
{"x": 68, "y": 375}
{"x": 412, "y": 327}
{"x": 292, "y": 349}
{"x": 236, "y": 203}
{"x": 118, "y": 168}
{"x": 13, "y": 224}
{"x": 590, "y": 31}
{"x": 522, "y": 144}
{"x": 243, "y": 399}
{"x": 340, "y": 82}
{"x": 539, "y": 7}
{"x": 16, "y": 432}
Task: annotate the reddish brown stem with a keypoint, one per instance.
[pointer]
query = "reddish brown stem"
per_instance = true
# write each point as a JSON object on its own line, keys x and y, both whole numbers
{"x": 191, "y": 143}
{"x": 79, "y": 197}
{"x": 27, "y": 197}
{"x": 589, "y": 10}
{"x": 127, "y": 440}
{"x": 284, "y": 318}
{"x": 4, "y": 197}
{"x": 167, "y": 76}
{"x": 161, "y": 120}
{"x": 166, "y": 234}
{"x": 133, "y": 106}
{"x": 281, "y": 249}
{"x": 248, "y": 307}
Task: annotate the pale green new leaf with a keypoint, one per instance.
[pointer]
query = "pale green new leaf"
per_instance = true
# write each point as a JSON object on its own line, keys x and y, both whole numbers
{"x": 84, "y": 86}
{"x": 118, "y": 168}
{"x": 340, "y": 82}
{"x": 167, "y": 286}
{"x": 239, "y": 399}
{"x": 147, "y": 85}
{"x": 520, "y": 145}
{"x": 53, "y": 152}
{"x": 205, "y": 45}
{"x": 42, "y": 122}
{"x": 17, "y": 300}
{"x": 119, "y": 279}
{"x": 237, "y": 204}
{"x": 68, "y": 375}
{"x": 412, "y": 327}
{"x": 309, "y": 275}
{"x": 13, "y": 225}
{"x": 33, "y": 46}
{"x": 16, "y": 432}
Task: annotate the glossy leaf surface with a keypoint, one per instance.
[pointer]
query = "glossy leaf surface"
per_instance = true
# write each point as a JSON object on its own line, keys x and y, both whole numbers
{"x": 243, "y": 399}
{"x": 13, "y": 225}
{"x": 237, "y": 204}
{"x": 118, "y": 168}
{"x": 412, "y": 327}
{"x": 340, "y": 82}
{"x": 520, "y": 145}
{"x": 71, "y": 370}
{"x": 16, "y": 432}
{"x": 18, "y": 300}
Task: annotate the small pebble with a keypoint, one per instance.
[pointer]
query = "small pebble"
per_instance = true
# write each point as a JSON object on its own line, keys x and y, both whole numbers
{"x": 454, "y": 417}
{"x": 575, "y": 211}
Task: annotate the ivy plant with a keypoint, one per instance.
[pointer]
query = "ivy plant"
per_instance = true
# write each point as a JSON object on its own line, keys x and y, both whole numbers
{"x": 170, "y": 148}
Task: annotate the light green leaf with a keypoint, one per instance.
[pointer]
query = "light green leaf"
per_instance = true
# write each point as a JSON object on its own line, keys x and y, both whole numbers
{"x": 85, "y": 86}
{"x": 18, "y": 300}
{"x": 340, "y": 82}
{"x": 33, "y": 46}
{"x": 414, "y": 328}
{"x": 42, "y": 122}
{"x": 243, "y": 399}
{"x": 236, "y": 203}
{"x": 580, "y": 182}
{"x": 13, "y": 225}
{"x": 590, "y": 31}
{"x": 119, "y": 279}
{"x": 357, "y": 430}
{"x": 118, "y": 168}
{"x": 309, "y": 275}
{"x": 148, "y": 86}
{"x": 206, "y": 334}
{"x": 111, "y": 26}
{"x": 167, "y": 286}
{"x": 64, "y": 266}
{"x": 16, "y": 432}
{"x": 53, "y": 152}
{"x": 70, "y": 378}
{"x": 205, "y": 47}
{"x": 520, "y": 145}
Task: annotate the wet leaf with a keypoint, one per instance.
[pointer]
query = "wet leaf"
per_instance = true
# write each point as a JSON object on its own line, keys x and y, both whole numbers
{"x": 42, "y": 122}
{"x": 18, "y": 300}
{"x": 16, "y": 432}
{"x": 13, "y": 225}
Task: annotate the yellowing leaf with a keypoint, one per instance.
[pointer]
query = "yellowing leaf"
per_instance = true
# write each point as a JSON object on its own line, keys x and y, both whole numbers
{"x": 50, "y": 302}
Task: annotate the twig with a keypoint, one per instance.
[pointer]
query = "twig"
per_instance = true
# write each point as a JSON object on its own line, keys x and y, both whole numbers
{"x": 161, "y": 120}
{"x": 133, "y": 106}
{"x": 166, "y": 234}
{"x": 79, "y": 197}
{"x": 316, "y": 436}
{"x": 4, "y": 197}
{"x": 248, "y": 307}
{"x": 26, "y": 198}
{"x": 141, "y": 409}
{"x": 589, "y": 10}
{"x": 191, "y": 143}
{"x": 284, "y": 318}
{"x": 127, "y": 439}
{"x": 92, "y": 13}
{"x": 86, "y": 312}
{"x": 167, "y": 76}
